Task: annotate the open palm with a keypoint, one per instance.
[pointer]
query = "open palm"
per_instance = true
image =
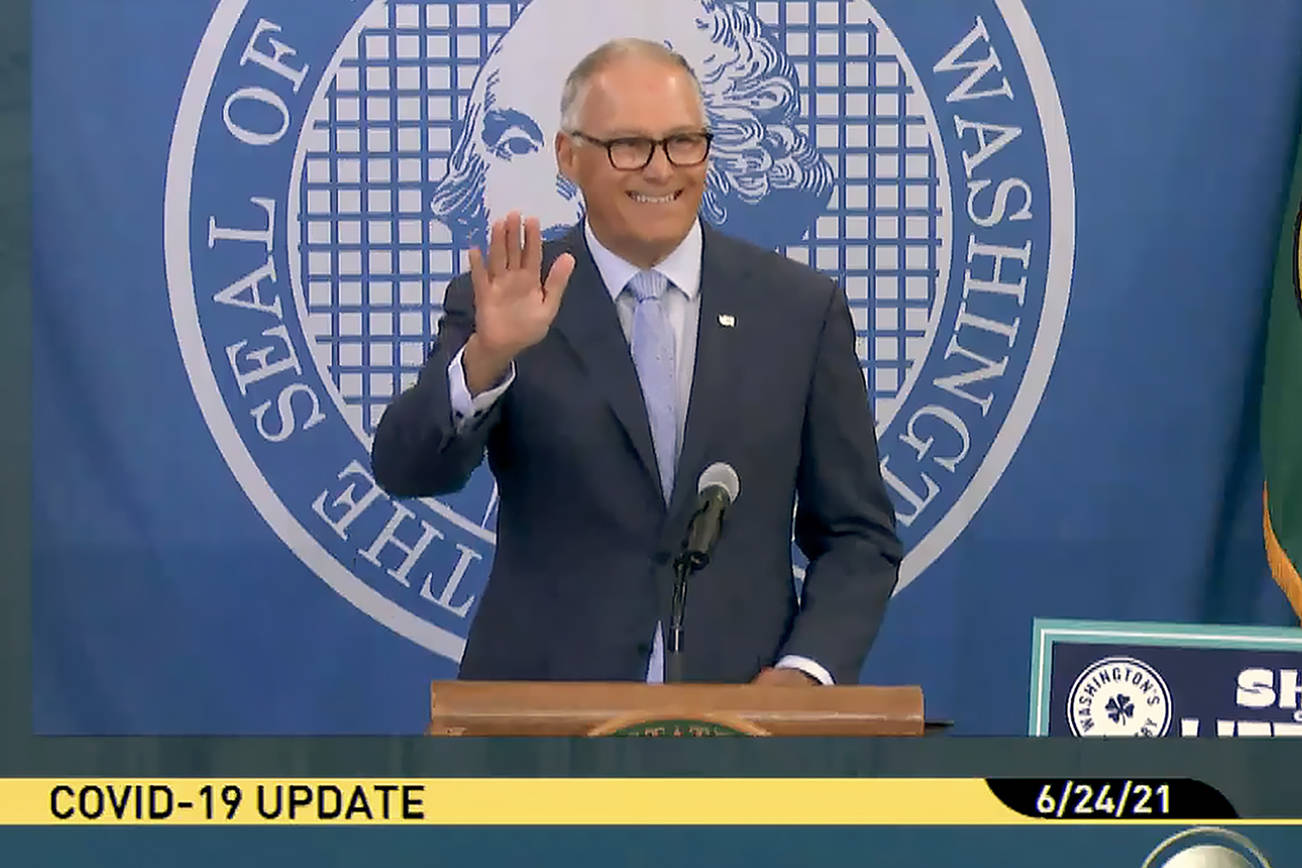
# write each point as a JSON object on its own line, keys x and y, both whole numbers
{"x": 514, "y": 305}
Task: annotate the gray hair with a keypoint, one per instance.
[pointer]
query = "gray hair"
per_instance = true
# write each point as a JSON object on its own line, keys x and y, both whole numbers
{"x": 576, "y": 83}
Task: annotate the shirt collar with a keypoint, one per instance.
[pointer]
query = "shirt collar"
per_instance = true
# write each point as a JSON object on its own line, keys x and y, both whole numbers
{"x": 682, "y": 266}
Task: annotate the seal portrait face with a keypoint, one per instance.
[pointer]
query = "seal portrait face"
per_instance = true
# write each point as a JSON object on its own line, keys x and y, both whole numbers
{"x": 329, "y": 171}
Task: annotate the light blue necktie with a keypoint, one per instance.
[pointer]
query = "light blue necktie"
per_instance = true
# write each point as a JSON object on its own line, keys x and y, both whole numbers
{"x": 654, "y": 356}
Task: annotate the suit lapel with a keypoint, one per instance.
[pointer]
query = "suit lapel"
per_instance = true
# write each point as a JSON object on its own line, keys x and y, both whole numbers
{"x": 724, "y": 279}
{"x": 588, "y": 322}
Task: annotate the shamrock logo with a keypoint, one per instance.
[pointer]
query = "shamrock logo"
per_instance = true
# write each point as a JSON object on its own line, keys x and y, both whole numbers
{"x": 1120, "y": 708}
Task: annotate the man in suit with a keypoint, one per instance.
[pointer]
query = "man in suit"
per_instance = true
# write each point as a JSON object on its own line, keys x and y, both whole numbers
{"x": 602, "y": 372}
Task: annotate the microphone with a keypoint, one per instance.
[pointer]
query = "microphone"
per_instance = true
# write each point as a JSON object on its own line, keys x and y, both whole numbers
{"x": 716, "y": 489}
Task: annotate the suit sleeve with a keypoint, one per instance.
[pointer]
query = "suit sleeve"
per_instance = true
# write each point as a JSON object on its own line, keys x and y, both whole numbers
{"x": 845, "y": 522}
{"x": 418, "y": 450}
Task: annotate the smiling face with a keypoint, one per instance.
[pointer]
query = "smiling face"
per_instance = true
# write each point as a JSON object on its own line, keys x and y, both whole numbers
{"x": 641, "y": 215}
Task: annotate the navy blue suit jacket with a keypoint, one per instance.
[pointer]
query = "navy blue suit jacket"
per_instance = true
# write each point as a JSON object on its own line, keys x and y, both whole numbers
{"x": 582, "y": 571}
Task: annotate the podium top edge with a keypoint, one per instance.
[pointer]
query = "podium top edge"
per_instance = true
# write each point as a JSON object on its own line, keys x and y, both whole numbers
{"x": 641, "y": 685}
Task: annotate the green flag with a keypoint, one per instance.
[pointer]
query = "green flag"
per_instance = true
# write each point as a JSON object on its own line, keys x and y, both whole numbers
{"x": 1281, "y": 413}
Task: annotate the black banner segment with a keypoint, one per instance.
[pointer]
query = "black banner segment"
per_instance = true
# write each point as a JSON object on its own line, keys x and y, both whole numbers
{"x": 1113, "y": 798}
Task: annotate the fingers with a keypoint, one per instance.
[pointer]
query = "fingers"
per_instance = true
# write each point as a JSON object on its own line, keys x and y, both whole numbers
{"x": 531, "y": 258}
{"x": 497, "y": 257}
{"x": 514, "y": 259}
{"x": 514, "y": 245}
{"x": 557, "y": 279}
{"x": 512, "y": 233}
{"x": 478, "y": 274}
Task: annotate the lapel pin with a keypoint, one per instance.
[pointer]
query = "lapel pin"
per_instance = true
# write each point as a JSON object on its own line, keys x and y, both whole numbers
{"x": 727, "y": 320}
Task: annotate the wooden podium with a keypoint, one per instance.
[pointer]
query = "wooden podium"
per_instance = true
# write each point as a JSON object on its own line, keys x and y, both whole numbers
{"x": 552, "y": 708}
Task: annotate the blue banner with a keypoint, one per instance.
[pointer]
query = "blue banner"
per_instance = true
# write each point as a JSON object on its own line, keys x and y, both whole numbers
{"x": 1110, "y": 679}
{"x": 1055, "y": 233}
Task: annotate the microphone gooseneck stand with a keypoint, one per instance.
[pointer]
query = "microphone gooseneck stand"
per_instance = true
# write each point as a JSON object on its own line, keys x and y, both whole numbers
{"x": 684, "y": 565}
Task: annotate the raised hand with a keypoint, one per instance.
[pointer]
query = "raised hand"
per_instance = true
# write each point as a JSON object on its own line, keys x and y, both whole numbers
{"x": 514, "y": 306}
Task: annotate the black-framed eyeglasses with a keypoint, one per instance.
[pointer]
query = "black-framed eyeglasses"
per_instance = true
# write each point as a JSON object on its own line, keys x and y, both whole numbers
{"x": 634, "y": 153}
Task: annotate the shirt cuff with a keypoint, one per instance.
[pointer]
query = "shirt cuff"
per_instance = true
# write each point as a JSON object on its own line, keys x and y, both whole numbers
{"x": 467, "y": 410}
{"x": 810, "y": 667}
